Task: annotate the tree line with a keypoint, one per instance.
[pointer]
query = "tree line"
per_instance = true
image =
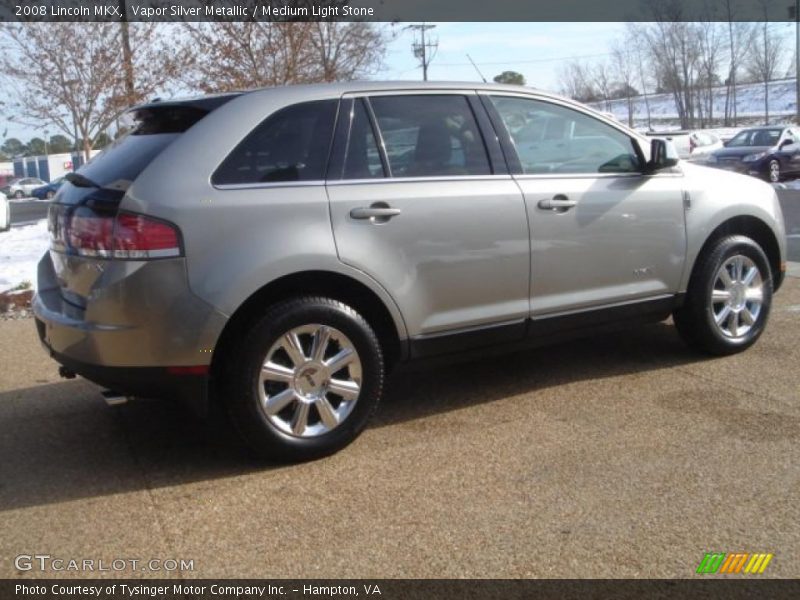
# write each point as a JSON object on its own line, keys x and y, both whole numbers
{"x": 687, "y": 59}
{"x": 79, "y": 78}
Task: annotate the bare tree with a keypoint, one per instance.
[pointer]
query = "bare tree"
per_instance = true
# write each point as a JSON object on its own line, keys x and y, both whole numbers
{"x": 603, "y": 79}
{"x": 623, "y": 61}
{"x": 740, "y": 35}
{"x": 710, "y": 48}
{"x": 576, "y": 81}
{"x": 346, "y": 51}
{"x": 71, "y": 75}
{"x": 638, "y": 44}
{"x": 765, "y": 57}
{"x": 235, "y": 56}
{"x": 673, "y": 49}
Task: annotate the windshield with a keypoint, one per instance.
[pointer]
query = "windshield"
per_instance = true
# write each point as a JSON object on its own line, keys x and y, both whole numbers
{"x": 755, "y": 137}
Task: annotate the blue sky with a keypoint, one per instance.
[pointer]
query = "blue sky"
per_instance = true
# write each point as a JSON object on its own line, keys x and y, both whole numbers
{"x": 534, "y": 49}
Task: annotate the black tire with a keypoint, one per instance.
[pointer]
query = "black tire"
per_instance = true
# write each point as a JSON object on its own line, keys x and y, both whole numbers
{"x": 50, "y": 194}
{"x": 262, "y": 435}
{"x": 19, "y": 194}
{"x": 695, "y": 320}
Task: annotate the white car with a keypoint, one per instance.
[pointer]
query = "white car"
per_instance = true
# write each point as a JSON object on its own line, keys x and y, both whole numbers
{"x": 5, "y": 213}
{"x": 693, "y": 145}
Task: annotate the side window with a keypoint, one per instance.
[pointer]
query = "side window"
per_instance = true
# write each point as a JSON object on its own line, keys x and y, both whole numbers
{"x": 554, "y": 139}
{"x": 363, "y": 160}
{"x": 290, "y": 145}
{"x": 430, "y": 135}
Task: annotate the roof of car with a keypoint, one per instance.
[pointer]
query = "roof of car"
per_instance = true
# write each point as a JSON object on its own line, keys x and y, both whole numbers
{"x": 211, "y": 101}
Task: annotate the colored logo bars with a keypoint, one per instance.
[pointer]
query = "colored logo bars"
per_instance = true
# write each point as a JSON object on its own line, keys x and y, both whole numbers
{"x": 741, "y": 562}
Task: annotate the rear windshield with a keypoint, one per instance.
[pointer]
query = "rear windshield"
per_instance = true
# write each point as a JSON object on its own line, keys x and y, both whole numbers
{"x": 155, "y": 128}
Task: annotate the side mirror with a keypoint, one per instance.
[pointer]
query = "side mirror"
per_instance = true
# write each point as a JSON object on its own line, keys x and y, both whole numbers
{"x": 662, "y": 155}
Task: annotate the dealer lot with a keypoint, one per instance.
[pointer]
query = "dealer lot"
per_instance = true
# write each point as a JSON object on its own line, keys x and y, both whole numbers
{"x": 620, "y": 456}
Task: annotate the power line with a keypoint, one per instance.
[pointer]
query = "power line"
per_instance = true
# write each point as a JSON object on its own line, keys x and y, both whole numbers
{"x": 524, "y": 62}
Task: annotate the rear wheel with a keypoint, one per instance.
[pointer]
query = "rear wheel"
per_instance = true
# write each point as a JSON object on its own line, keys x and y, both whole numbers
{"x": 19, "y": 194}
{"x": 729, "y": 297}
{"x": 50, "y": 194}
{"x": 306, "y": 379}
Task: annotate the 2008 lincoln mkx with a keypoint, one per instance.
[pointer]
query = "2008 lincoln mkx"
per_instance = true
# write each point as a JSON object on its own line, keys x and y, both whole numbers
{"x": 287, "y": 247}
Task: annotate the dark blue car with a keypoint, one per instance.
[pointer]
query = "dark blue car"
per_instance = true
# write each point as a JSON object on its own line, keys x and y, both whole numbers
{"x": 46, "y": 192}
{"x": 770, "y": 153}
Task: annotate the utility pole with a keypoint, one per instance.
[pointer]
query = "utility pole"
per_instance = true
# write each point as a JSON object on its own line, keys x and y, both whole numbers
{"x": 794, "y": 13}
{"x": 127, "y": 56}
{"x": 424, "y": 50}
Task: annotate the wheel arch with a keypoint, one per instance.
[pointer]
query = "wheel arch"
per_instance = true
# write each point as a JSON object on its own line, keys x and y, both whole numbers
{"x": 320, "y": 283}
{"x": 757, "y": 230}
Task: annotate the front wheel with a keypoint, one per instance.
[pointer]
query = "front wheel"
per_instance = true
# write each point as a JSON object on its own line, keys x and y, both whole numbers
{"x": 729, "y": 297}
{"x": 774, "y": 171}
{"x": 19, "y": 194}
{"x": 306, "y": 379}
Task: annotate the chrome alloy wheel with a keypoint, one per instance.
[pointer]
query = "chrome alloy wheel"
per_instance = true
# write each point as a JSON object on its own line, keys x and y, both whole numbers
{"x": 737, "y": 296}
{"x": 310, "y": 380}
{"x": 774, "y": 171}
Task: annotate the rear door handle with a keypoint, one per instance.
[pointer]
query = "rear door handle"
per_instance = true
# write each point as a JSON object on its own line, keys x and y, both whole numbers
{"x": 559, "y": 202}
{"x": 380, "y": 212}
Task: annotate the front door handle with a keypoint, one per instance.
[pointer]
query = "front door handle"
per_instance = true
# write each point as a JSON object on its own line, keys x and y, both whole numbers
{"x": 559, "y": 202}
{"x": 380, "y": 212}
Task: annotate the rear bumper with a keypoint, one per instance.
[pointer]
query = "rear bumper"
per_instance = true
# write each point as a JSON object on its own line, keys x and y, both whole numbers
{"x": 144, "y": 382}
{"x": 142, "y": 332}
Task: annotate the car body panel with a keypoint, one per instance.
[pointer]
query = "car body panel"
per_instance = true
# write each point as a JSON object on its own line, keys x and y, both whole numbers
{"x": 732, "y": 195}
{"x": 457, "y": 256}
{"x": 624, "y": 240}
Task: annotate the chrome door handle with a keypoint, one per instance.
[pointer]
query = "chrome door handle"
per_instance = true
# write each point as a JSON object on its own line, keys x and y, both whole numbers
{"x": 559, "y": 202}
{"x": 379, "y": 212}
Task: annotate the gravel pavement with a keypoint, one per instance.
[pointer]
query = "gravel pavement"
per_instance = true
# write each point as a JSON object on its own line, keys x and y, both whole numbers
{"x": 621, "y": 456}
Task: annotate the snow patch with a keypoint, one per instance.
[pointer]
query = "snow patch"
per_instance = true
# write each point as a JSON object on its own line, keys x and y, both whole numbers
{"x": 21, "y": 248}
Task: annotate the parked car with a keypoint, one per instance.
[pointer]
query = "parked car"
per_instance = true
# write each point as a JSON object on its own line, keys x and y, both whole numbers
{"x": 5, "y": 213}
{"x": 691, "y": 145}
{"x": 22, "y": 187}
{"x": 47, "y": 191}
{"x": 775, "y": 164}
{"x": 744, "y": 152}
{"x": 280, "y": 251}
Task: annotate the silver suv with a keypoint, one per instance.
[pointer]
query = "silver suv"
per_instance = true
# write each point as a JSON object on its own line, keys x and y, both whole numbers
{"x": 280, "y": 250}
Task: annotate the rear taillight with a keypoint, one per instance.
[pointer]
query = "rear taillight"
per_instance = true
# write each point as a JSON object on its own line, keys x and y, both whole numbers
{"x": 137, "y": 236}
{"x": 125, "y": 236}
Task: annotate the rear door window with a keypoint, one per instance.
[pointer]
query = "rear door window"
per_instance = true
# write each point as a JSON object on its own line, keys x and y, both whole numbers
{"x": 430, "y": 136}
{"x": 290, "y": 145}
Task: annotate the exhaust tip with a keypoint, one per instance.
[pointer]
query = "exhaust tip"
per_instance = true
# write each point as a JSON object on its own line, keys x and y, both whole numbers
{"x": 113, "y": 398}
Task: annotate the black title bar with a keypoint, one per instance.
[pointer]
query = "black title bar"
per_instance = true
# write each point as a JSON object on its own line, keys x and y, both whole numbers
{"x": 396, "y": 10}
